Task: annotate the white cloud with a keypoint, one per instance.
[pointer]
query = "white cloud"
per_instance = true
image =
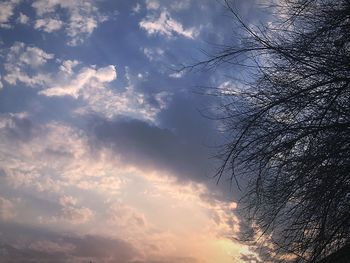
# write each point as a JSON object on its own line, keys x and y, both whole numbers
{"x": 46, "y": 6}
{"x": 177, "y": 75}
{"x": 55, "y": 157}
{"x": 153, "y": 53}
{"x": 136, "y": 8}
{"x": 87, "y": 78}
{"x": 152, "y": 4}
{"x": 68, "y": 65}
{"x": 22, "y": 18}
{"x": 6, "y": 11}
{"x": 18, "y": 75}
{"x": 93, "y": 86}
{"x": 48, "y": 24}
{"x": 128, "y": 103}
{"x": 167, "y": 26}
{"x": 79, "y": 27}
{"x": 67, "y": 200}
{"x": 34, "y": 56}
{"x": 83, "y": 17}
{"x": 20, "y": 54}
{"x": 21, "y": 57}
{"x": 230, "y": 88}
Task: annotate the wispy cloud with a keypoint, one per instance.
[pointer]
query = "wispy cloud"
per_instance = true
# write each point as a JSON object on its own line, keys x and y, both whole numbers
{"x": 83, "y": 18}
{"x": 153, "y": 54}
{"x": 165, "y": 25}
{"x": 87, "y": 78}
{"x": 152, "y": 4}
{"x": 70, "y": 213}
{"x": 22, "y": 18}
{"x": 19, "y": 59}
{"x": 92, "y": 86}
{"x": 48, "y": 24}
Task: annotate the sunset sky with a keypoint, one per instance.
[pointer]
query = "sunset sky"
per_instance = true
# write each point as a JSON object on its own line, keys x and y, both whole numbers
{"x": 104, "y": 151}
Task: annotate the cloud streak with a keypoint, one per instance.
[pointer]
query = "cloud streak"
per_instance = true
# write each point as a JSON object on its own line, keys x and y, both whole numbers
{"x": 165, "y": 25}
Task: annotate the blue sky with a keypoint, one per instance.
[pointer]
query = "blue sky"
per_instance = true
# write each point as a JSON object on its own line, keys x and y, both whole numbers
{"x": 104, "y": 152}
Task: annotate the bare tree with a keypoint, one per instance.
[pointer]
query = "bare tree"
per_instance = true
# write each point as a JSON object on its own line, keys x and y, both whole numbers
{"x": 289, "y": 127}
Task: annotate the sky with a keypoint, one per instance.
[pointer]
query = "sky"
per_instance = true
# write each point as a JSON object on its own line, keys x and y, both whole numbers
{"x": 105, "y": 154}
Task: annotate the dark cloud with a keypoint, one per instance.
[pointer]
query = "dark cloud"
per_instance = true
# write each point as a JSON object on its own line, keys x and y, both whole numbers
{"x": 184, "y": 142}
{"x": 149, "y": 146}
{"x": 27, "y": 244}
{"x": 20, "y": 243}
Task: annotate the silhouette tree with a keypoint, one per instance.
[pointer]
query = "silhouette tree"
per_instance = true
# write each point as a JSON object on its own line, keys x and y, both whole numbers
{"x": 289, "y": 127}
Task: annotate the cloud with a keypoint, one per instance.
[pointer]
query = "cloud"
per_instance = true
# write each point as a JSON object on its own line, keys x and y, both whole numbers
{"x": 65, "y": 159}
{"x": 20, "y": 58}
{"x": 16, "y": 126}
{"x": 6, "y": 11}
{"x": 83, "y": 18}
{"x": 177, "y": 75}
{"x": 180, "y": 5}
{"x": 127, "y": 218}
{"x": 152, "y": 4}
{"x": 67, "y": 200}
{"x": 153, "y": 53}
{"x": 76, "y": 215}
{"x": 22, "y": 18}
{"x": 88, "y": 77}
{"x": 230, "y": 88}
{"x": 167, "y": 26}
{"x": 65, "y": 166}
{"x": 139, "y": 170}
{"x": 150, "y": 146}
{"x": 68, "y": 65}
{"x": 26, "y": 244}
{"x": 51, "y": 247}
{"x": 80, "y": 27}
{"x": 137, "y": 8}
{"x": 71, "y": 212}
{"x": 91, "y": 86}
{"x": 173, "y": 5}
{"x": 48, "y": 24}
{"x": 34, "y": 56}
{"x": 7, "y": 209}
{"x": 26, "y": 55}
{"x": 40, "y": 143}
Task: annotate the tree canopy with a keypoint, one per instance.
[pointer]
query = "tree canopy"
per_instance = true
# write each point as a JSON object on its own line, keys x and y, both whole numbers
{"x": 289, "y": 127}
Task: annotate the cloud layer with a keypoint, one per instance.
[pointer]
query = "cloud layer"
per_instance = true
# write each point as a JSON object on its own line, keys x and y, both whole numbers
{"x": 104, "y": 153}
